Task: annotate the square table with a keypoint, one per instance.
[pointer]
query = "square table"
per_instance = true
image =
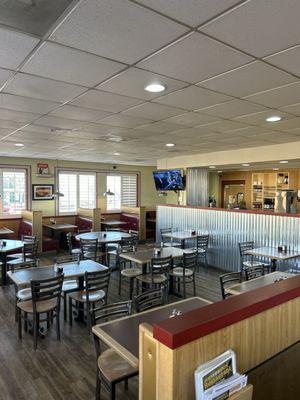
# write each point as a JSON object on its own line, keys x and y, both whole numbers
{"x": 60, "y": 228}
{"x": 10, "y": 245}
{"x": 182, "y": 236}
{"x": 113, "y": 223}
{"x": 122, "y": 335}
{"x": 5, "y": 231}
{"x": 273, "y": 254}
{"x": 259, "y": 282}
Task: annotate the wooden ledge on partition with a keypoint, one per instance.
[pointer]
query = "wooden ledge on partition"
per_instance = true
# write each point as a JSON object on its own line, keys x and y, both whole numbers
{"x": 195, "y": 324}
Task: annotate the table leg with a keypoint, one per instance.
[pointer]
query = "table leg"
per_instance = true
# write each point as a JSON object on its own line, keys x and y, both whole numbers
{"x": 80, "y": 315}
{"x": 273, "y": 265}
{"x": 4, "y": 270}
{"x": 182, "y": 243}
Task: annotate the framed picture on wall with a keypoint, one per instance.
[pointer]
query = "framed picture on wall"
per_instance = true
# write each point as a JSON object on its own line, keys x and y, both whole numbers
{"x": 239, "y": 197}
{"x": 42, "y": 192}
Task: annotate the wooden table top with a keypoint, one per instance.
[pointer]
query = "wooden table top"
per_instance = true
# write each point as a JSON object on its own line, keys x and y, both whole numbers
{"x": 182, "y": 235}
{"x": 123, "y": 334}
{"x": 273, "y": 253}
{"x": 60, "y": 227}
{"x": 145, "y": 256}
{"x": 113, "y": 222}
{"x": 11, "y": 245}
{"x": 70, "y": 270}
{"x": 258, "y": 282}
{"x": 5, "y": 231}
{"x": 112, "y": 236}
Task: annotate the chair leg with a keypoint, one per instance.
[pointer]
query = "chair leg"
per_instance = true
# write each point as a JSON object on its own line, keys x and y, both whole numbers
{"x": 19, "y": 323}
{"x": 70, "y": 311}
{"x": 48, "y": 319}
{"x": 126, "y": 385}
{"x": 131, "y": 280}
{"x": 184, "y": 288}
{"x": 120, "y": 281}
{"x": 113, "y": 391}
{"x": 194, "y": 284}
{"x": 16, "y": 310}
{"x": 98, "y": 386}
{"x": 65, "y": 306}
{"x": 35, "y": 331}
{"x": 25, "y": 322}
{"x": 57, "y": 325}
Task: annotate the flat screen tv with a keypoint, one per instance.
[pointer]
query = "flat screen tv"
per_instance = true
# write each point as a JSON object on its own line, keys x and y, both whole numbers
{"x": 169, "y": 180}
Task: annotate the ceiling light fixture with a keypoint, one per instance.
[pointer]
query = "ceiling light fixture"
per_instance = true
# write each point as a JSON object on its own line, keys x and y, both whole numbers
{"x": 283, "y": 162}
{"x": 274, "y": 118}
{"x": 19, "y": 144}
{"x": 170, "y": 144}
{"x": 155, "y": 88}
{"x": 219, "y": 172}
{"x": 108, "y": 193}
{"x": 116, "y": 154}
{"x": 246, "y": 165}
{"x": 212, "y": 167}
{"x": 275, "y": 169}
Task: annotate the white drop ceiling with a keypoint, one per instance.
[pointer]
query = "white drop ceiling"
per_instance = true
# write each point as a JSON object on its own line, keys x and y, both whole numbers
{"x": 72, "y": 78}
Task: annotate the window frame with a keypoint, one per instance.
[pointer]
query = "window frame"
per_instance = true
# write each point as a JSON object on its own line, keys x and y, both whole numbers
{"x": 120, "y": 174}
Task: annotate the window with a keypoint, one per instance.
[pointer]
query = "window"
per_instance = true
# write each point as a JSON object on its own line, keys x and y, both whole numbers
{"x": 13, "y": 191}
{"x": 124, "y": 188}
{"x": 79, "y": 190}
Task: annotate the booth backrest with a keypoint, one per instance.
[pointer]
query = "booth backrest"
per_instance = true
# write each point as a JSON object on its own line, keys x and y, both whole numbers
{"x": 132, "y": 221}
{"x": 83, "y": 224}
{"x": 25, "y": 228}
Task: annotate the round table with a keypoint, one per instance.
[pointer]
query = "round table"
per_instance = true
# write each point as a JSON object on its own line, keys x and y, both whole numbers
{"x": 110, "y": 237}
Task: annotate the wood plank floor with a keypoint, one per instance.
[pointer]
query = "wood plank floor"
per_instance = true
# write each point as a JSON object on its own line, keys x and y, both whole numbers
{"x": 64, "y": 370}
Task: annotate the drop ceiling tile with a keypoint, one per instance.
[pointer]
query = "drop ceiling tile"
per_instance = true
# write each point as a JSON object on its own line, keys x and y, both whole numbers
{"x": 194, "y": 12}
{"x": 287, "y": 59}
{"x": 159, "y": 127}
{"x": 285, "y": 125}
{"x": 97, "y": 129}
{"x": 153, "y": 111}
{"x": 4, "y": 75}
{"x": 233, "y": 109}
{"x": 191, "y": 119}
{"x": 225, "y": 125}
{"x": 279, "y": 97}
{"x": 117, "y": 29}
{"x": 5, "y": 132}
{"x": 36, "y": 128}
{"x": 192, "y": 98}
{"x": 194, "y": 58}
{"x": 260, "y": 117}
{"x": 105, "y": 101}
{"x": 14, "y": 47}
{"x": 17, "y": 116}
{"x": 57, "y": 122}
{"x": 124, "y": 121}
{"x": 251, "y": 78}
{"x": 26, "y": 104}
{"x": 70, "y": 65}
{"x": 292, "y": 109}
{"x": 42, "y": 88}
{"x": 10, "y": 124}
{"x": 133, "y": 81}
{"x": 259, "y": 27}
{"x": 79, "y": 113}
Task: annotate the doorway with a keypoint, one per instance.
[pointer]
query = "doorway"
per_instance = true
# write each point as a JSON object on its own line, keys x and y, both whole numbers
{"x": 233, "y": 194}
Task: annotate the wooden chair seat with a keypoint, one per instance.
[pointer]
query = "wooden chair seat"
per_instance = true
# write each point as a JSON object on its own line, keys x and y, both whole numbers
{"x": 80, "y": 296}
{"x": 171, "y": 244}
{"x": 178, "y": 271}
{"x": 15, "y": 255}
{"x": 115, "y": 367}
{"x": 156, "y": 279}
{"x": 71, "y": 284}
{"x": 24, "y": 294}
{"x": 249, "y": 263}
{"x": 75, "y": 251}
{"x": 19, "y": 261}
{"x": 131, "y": 272}
{"x": 91, "y": 255}
{"x": 41, "y": 306}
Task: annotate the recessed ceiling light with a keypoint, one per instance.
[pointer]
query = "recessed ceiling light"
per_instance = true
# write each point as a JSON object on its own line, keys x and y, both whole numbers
{"x": 212, "y": 167}
{"x": 19, "y": 144}
{"x": 246, "y": 165}
{"x": 116, "y": 154}
{"x": 274, "y": 118}
{"x": 170, "y": 144}
{"x": 275, "y": 169}
{"x": 283, "y": 162}
{"x": 155, "y": 88}
{"x": 219, "y": 172}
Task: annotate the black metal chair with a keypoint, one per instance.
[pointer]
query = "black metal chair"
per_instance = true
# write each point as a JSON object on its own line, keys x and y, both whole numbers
{"x": 45, "y": 301}
{"x": 227, "y": 280}
{"x": 72, "y": 251}
{"x": 149, "y": 299}
{"x": 254, "y": 272}
{"x": 158, "y": 275}
{"x": 168, "y": 242}
{"x": 95, "y": 291}
{"x": 111, "y": 367}
{"x": 247, "y": 260}
{"x": 185, "y": 272}
{"x": 90, "y": 250}
{"x": 202, "y": 246}
{"x": 25, "y": 239}
{"x": 28, "y": 259}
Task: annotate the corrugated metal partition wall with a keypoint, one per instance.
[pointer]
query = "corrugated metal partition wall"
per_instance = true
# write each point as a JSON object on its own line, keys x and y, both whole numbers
{"x": 197, "y": 187}
{"x": 227, "y": 229}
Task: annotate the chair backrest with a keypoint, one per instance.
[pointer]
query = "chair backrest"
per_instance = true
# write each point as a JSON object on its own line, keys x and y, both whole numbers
{"x": 254, "y": 272}
{"x": 70, "y": 258}
{"x": 128, "y": 245}
{"x": 108, "y": 312}
{"x": 113, "y": 229}
{"x": 134, "y": 233}
{"x": 244, "y": 247}
{"x": 161, "y": 265}
{"x": 30, "y": 250}
{"x": 95, "y": 281}
{"x": 46, "y": 290}
{"x": 148, "y": 300}
{"x": 202, "y": 242}
{"x": 69, "y": 242}
{"x": 28, "y": 238}
{"x": 89, "y": 246}
{"x": 190, "y": 260}
{"x": 229, "y": 279}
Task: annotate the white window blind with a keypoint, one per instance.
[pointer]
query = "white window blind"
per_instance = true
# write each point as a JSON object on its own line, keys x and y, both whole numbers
{"x": 124, "y": 188}
{"x": 79, "y": 190}
{"x": 13, "y": 189}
